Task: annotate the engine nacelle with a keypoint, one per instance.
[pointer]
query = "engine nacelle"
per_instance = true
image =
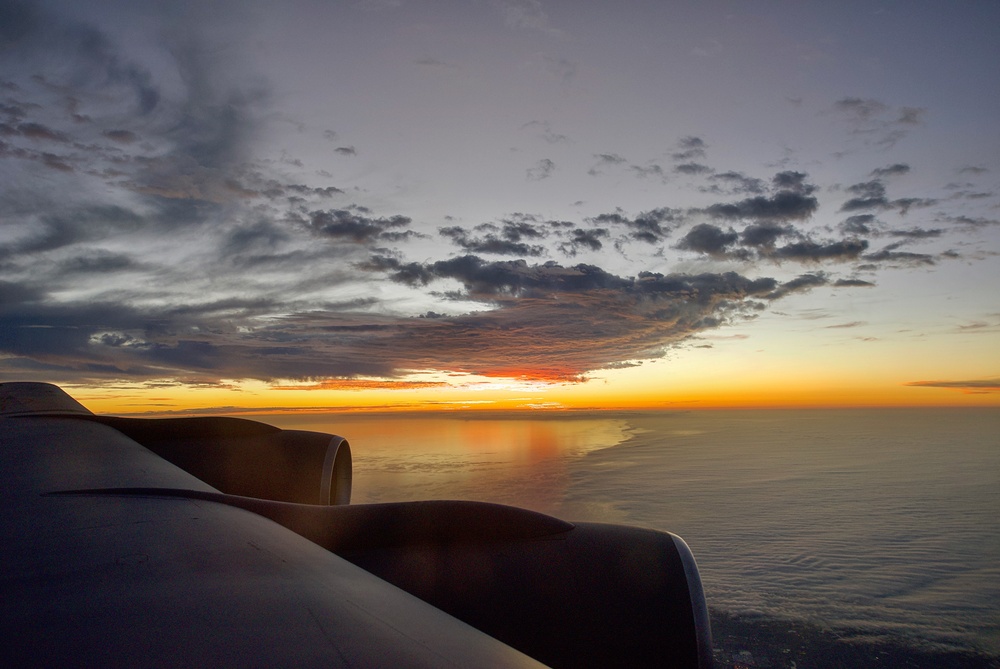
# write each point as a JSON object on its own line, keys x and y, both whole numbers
{"x": 247, "y": 458}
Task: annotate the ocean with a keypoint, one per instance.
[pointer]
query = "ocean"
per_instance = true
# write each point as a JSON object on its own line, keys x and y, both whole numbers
{"x": 824, "y": 537}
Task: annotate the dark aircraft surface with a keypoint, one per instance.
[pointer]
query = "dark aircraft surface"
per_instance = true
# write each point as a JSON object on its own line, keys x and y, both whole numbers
{"x": 223, "y": 542}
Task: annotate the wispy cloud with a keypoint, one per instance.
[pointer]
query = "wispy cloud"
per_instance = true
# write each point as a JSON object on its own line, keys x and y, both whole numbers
{"x": 543, "y": 169}
{"x": 968, "y": 386}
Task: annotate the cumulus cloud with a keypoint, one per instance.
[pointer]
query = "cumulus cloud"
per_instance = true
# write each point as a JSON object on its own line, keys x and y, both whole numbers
{"x": 783, "y": 206}
{"x": 495, "y": 241}
{"x": 343, "y": 224}
{"x": 584, "y": 239}
{"x": 794, "y": 182}
{"x": 651, "y": 227}
{"x": 764, "y": 234}
{"x": 709, "y": 239}
{"x": 554, "y": 322}
{"x": 869, "y": 195}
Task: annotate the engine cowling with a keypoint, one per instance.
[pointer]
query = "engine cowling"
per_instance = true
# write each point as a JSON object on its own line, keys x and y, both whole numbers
{"x": 247, "y": 458}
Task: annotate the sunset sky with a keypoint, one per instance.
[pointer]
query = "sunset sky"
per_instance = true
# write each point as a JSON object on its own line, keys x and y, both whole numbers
{"x": 249, "y": 205}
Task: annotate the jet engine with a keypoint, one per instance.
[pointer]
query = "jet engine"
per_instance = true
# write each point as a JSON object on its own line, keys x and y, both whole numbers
{"x": 247, "y": 458}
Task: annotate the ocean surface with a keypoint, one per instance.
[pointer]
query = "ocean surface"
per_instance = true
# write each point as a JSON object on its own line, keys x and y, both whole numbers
{"x": 877, "y": 527}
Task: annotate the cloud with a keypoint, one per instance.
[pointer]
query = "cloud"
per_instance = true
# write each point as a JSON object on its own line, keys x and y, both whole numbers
{"x": 689, "y": 148}
{"x": 911, "y": 115}
{"x": 801, "y": 283}
{"x": 785, "y": 205}
{"x": 968, "y": 386}
{"x": 363, "y": 384}
{"x": 904, "y": 204}
{"x": 98, "y": 262}
{"x": 737, "y": 182}
{"x": 969, "y": 222}
{"x": 708, "y": 239}
{"x": 890, "y": 255}
{"x": 648, "y": 171}
{"x": 853, "y": 283}
{"x": 150, "y": 232}
{"x": 342, "y": 224}
{"x": 870, "y": 195}
{"x": 917, "y": 233}
{"x": 809, "y": 251}
{"x": 764, "y": 234}
{"x": 121, "y": 136}
{"x": 544, "y": 131}
{"x": 793, "y": 182}
{"x": 519, "y": 227}
{"x": 692, "y": 169}
{"x": 604, "y": 161}
{"x": 580, "y": 238}
{"x": 555, "y": 323}
{"x": 860, "y": 109}
{"x": 876, "y": 122}
{"x": 651, "y": 227}
{"x": 549, "y": 322}
{"x": 859, "y": 224}
{"x": 896, "y": 169}
{"x": 507, "y": 243}
{"x": 542, "y": 170}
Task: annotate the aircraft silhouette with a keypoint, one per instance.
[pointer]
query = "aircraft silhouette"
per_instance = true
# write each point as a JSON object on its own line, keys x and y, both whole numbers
{"x": 225, "y": 542}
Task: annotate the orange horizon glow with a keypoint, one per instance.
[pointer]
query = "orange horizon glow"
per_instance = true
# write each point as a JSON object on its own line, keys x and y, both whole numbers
{"x": 400, "y": 397}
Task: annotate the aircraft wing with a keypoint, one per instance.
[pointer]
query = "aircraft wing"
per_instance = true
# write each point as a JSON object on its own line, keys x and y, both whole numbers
{"x": 229, "y": 543}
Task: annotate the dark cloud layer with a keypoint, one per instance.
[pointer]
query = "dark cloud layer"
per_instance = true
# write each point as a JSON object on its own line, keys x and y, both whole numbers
{"x": 557, "y": 322}
{"x": 547, "y": 321}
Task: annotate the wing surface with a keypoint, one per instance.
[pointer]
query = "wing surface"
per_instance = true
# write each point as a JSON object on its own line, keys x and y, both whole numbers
{"x": 160, "y": 581}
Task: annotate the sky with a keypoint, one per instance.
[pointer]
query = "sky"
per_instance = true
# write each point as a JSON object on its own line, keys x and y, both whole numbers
{"x": 496, "y": 204}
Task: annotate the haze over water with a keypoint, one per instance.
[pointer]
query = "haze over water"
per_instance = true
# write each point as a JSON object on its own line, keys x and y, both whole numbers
{"x": 879, "y": 523}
